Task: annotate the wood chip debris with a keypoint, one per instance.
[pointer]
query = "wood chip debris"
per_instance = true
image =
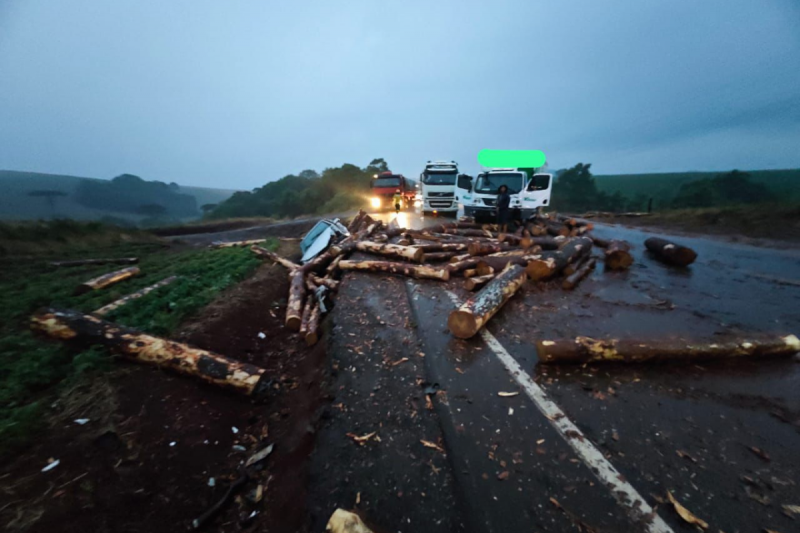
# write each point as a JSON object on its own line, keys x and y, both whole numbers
{"x": 685, "y": 513}
{"x": 363, "y": 439}
{"x": 507, "y": 394}
{"x": 433, "y": 445}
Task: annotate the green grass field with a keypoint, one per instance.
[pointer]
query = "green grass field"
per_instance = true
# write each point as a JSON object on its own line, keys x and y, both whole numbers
{"x": 32, "y": 367}
{"x": 663, "y": 187}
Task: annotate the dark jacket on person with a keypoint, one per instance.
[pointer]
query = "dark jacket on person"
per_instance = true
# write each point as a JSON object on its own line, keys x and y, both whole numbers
{"x": 503, "y": 200}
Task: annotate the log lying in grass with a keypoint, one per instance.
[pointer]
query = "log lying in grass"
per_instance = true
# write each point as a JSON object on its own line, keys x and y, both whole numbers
{"x": 477, "y": 282}
{"x": 617, "y": 255}
{"x": 468, "y": 319}
{"x": 404, "y": 269}
{"x": 671, "y": 253}
{"x": 143, "y": 348}
{"x": 588, "y": 350}
{"x": 116, "y": 304}
{"x": 548, "y": 264}
{"x": 275, "y": 258}
{"x": 232, "y": 244}
{"x": 105, "y": 280}
{"x": 571, "y": 281}
{"x": 82, "y": 262}
{"x": 407, "y": 253}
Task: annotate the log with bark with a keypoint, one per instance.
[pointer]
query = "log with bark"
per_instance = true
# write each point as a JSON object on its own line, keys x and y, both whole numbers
{"x": 232, "y": 244}
{"x": 105, "y": 280}
{"x": 477, "y": 282}
{"x": 442, "y": 247}
{"x": 356, "y": 222}
{"x": 404, "y": 269}
{"x": 571, "y": 281}
{"x": 107, "y": 261}
{"x": 312, "y": 330}
{"x": 468, "y": 319}
{"x": 116, "y": 304}
{"x": 408, "y": 253}
{"x": 617, "y": 255}
{"x": 275, "y": 258}
{"x": 310, "y": 302}
{"x": 437, "y": 257}
{"x": 589, "y": 350}
{"x": 329, "y": 282}
{"x": 497, "y": 263}
{"x": 548, "y": 264}
{"x": 72, "y": 325}
{"x": 297, "y": 295}
{"x": 485, "y": 248}
{"x": 670, "y": 252}
{"x": 549, "y": 243}
{"x": 460, "y": 266}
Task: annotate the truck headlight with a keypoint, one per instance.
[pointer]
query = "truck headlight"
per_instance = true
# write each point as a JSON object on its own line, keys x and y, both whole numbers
{"x": 375, "y": 202}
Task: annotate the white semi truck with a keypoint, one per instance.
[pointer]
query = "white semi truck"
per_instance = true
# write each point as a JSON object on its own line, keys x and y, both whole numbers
{"x": 529, "y": 192}
{"x": 438, "y": 187}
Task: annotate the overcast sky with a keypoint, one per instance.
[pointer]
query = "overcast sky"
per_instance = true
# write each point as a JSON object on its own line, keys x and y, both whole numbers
{"x": 233, "y": 94}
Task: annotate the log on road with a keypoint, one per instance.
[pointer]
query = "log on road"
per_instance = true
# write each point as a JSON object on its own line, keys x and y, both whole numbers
{"x": 312, "y": 329}
{"x": 588, "y": 350}
{"x": 617, "y": 255}
{"x": 116, "y": 304}
{"x": 409, "y": 253}
{"x": 468, "y": 319}
{"x": 571, "y": 281}
{"x": 297, "y": 294}
{"x": 404, "y": 269}
{"x": 671, "y": 253}
{"x": 105, "y": 280}
{"x": 548, "y": 264}
{"x": 82, "y": 262}
{"x": 143, "y": 348}
{"x": 477, "y": 282}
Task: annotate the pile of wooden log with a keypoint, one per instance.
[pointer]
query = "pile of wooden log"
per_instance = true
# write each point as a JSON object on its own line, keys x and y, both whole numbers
{"x": 541, "y": 249}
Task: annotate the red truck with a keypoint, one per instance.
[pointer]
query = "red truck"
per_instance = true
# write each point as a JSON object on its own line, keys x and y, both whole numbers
{"x": 384, "y": 186}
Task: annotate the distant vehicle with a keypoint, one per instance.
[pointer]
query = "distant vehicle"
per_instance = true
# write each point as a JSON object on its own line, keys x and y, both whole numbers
{"x": 438, "y": 182}
{"x": 529, "y": 192}
{"x": 385, "y": 184}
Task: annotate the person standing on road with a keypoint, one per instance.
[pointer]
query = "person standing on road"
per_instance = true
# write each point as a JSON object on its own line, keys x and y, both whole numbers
{"x": 503, "y": 208}
{"x": 398, "y": 201}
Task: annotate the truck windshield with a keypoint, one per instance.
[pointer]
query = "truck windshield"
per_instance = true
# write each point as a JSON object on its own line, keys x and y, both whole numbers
{"x": 489, "y": 183}
{"x": 386, "y": 182}
{"x": 441, "y": 178}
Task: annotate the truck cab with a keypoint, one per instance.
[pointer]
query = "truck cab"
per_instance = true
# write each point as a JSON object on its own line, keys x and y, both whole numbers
{"x": 529, "y": 191}
{"x": 438, "y": 186}
{"x": 385, "y": 185}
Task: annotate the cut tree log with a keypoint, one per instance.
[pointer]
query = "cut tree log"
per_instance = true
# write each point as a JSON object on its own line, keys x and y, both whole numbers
{"x": 116, "y": 304}
{"x": 312, "y": 331}
{"x": 82, "y": 262}
{"x": 329, "y": 282}
{"x": 135, "y": 345}
{"x": 468, "y": 319}
{"x": 356, "y": 222}
{"x": 494, "y": 263}
{"x": 442, "y": 247}
{"x": 232, "y": 244}
{"x": 275, "y": 258}
{"x": 570, "y": 282}
{"x": 105, "y": 280}
{"x": 671, "y": 253}
{"x": 404, "y": 269}
{"x": 617, "y": 255}
{"x": 477, "y": 282}
{"x": 588, "y": 350}
{"x": 409, "y": 253}
{"x": 460, "y": 266}
{"x": 548, "y": 264}
{"x": 297, "y": 294}
{"x": 310, "y": 302}
{"x": 549, "y": 243}
{"x": 600, "y": 243}
{"x": 485, "y": 248}
{"x": 437, "y": 257}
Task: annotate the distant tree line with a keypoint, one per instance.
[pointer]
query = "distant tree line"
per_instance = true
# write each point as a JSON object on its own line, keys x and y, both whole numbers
{"x": 575, "y": 190}
{"x": 309, "y": 192}
{"x": 131, "y": 194}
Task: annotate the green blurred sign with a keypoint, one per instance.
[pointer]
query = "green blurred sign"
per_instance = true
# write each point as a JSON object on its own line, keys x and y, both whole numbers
{"x": 511, "y": 158}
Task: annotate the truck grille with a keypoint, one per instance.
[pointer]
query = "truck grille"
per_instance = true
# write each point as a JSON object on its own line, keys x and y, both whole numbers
{"x": 490, "y": 201}
{"x": 440, "y": 195}
{"x": 440, "y": 204}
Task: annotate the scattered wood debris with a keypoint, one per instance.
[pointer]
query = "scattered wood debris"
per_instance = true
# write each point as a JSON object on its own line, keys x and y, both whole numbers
{"x": 685, "y": 513}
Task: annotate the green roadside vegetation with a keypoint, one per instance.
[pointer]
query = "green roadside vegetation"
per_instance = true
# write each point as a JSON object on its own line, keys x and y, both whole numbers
{"x": 307, "y": 193}
{"x": 32, "y": 368}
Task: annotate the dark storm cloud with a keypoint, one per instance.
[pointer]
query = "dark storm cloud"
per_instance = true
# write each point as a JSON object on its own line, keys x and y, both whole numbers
{"x": 232, "y": 94}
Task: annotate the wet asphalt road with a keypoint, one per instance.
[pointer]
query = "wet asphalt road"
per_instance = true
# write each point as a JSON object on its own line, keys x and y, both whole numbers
{"x": 688, "y": 430}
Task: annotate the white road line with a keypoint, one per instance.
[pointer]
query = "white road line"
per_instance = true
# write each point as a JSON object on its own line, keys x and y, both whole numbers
{"x": 623, "y": 492}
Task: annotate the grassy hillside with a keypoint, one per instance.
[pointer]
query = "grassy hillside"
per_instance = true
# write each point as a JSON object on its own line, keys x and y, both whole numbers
{"x": 664, "y": 187}
{"x": 17, "y": 204}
